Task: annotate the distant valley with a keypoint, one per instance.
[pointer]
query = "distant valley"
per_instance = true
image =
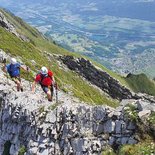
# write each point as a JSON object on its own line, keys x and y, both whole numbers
{"x": 119, "y": 34}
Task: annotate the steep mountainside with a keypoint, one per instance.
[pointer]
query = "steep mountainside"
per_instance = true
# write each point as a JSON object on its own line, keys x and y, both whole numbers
{"x": 31, "y": 125}
{"x": 28, "y": 44}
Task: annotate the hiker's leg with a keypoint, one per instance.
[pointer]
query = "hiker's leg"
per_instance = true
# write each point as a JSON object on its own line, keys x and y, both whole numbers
{"x": 21, "y": 86}
{"x": 17, "y": 83}
{"x": 49, "y": 96}
{"x": 48, "y": 92}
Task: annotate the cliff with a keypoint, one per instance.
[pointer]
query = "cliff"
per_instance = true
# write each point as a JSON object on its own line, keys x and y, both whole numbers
{"x": 97, "y": 77}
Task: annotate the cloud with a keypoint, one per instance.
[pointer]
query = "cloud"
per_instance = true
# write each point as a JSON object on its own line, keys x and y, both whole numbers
{"x": 144, "y": 1}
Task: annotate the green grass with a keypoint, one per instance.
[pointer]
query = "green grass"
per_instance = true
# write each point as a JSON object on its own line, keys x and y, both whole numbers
{"x": 141, "y": 83}
{"x": 151, "y": 118}
{"x": 108, "y": 151}
{"x": 146, "y": 147}
{"x": 22, "y": 150}
{"x": 142, "y": 148}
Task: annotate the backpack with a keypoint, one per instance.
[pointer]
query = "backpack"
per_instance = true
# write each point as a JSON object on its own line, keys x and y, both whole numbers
{"x": 14, "y": 70}
{"x": 46, "y": 80}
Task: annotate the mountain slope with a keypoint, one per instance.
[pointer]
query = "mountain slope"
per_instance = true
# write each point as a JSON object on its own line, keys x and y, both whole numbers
{"x": 141, "y": 83}
{"x": 34, "y": 50}
{"x": 119, "y": 39}
{"x": 42, "y": 51}
{"x": 32, "y": 125}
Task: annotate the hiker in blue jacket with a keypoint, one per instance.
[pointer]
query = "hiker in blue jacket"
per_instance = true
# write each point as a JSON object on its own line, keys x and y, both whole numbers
{"x": 14, "y": 71}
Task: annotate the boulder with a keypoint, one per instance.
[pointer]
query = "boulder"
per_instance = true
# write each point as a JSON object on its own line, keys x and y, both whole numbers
{"x": 142, "y": 104}
{"x": 144, "y": 113}
{"x": 109, "y": 126}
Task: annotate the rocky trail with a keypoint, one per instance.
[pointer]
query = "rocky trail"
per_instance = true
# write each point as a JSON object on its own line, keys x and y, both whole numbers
{"x": 69, "y": 127}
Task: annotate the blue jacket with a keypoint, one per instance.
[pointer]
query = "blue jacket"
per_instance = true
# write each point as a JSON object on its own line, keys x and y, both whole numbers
{"x": 13, "y": 69}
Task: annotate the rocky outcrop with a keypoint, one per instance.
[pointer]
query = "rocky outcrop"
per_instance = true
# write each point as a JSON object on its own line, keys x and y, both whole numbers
{"x": 71, "y": 127}
{"x": 10, "y": 27}
{"x": 97, "y": 77}
{"x": 65, "y": 129}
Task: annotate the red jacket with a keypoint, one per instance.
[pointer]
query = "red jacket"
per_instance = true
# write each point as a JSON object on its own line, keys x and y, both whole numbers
{"x": 45, "y": 80}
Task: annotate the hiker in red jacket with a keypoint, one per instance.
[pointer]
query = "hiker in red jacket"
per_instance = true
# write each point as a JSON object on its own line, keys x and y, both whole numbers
{"x": 46, "y": 79}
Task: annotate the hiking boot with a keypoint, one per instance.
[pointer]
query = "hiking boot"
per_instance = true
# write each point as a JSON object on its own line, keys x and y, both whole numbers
{"x": 21, "y": 89}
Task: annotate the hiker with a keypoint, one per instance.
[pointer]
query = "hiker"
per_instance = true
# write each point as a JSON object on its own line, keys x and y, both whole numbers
{"x": 14, "y": 71}
{"x": 46, "y": 79}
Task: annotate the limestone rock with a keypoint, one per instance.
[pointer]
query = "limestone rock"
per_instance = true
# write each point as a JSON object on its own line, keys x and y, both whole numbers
{"x": 109, "y": 126}
{"x": 141, "y": 104}
{"x": 70, "y": 127}
{"x": 144, "y": 113}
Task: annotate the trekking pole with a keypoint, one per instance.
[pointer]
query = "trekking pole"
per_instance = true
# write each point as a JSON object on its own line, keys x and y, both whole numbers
{"x": 28, "y": 70}
{"x": 56, "y": 92}
{"x": 4, "y": 62}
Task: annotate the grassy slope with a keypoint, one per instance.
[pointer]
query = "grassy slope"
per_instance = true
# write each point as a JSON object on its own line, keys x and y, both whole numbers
{"x": 68, "y": 80}
{"x": 146, "y": 147}
{"x": 141, "y": 83}
{"x": 44, "y": 44}
{"x": 34, "y": 35}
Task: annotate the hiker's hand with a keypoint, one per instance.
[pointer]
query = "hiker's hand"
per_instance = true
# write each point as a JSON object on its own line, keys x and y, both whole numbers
{"x": 4, "y": 61}
{"x": 33, "y": 87}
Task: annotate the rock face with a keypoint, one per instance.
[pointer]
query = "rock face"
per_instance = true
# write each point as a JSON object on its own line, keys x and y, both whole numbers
{"x": 97, "y": 77}
{"x": 67, "y": 128}
{"x": 10, "y": 27}
{"x": 71, "y": 127}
